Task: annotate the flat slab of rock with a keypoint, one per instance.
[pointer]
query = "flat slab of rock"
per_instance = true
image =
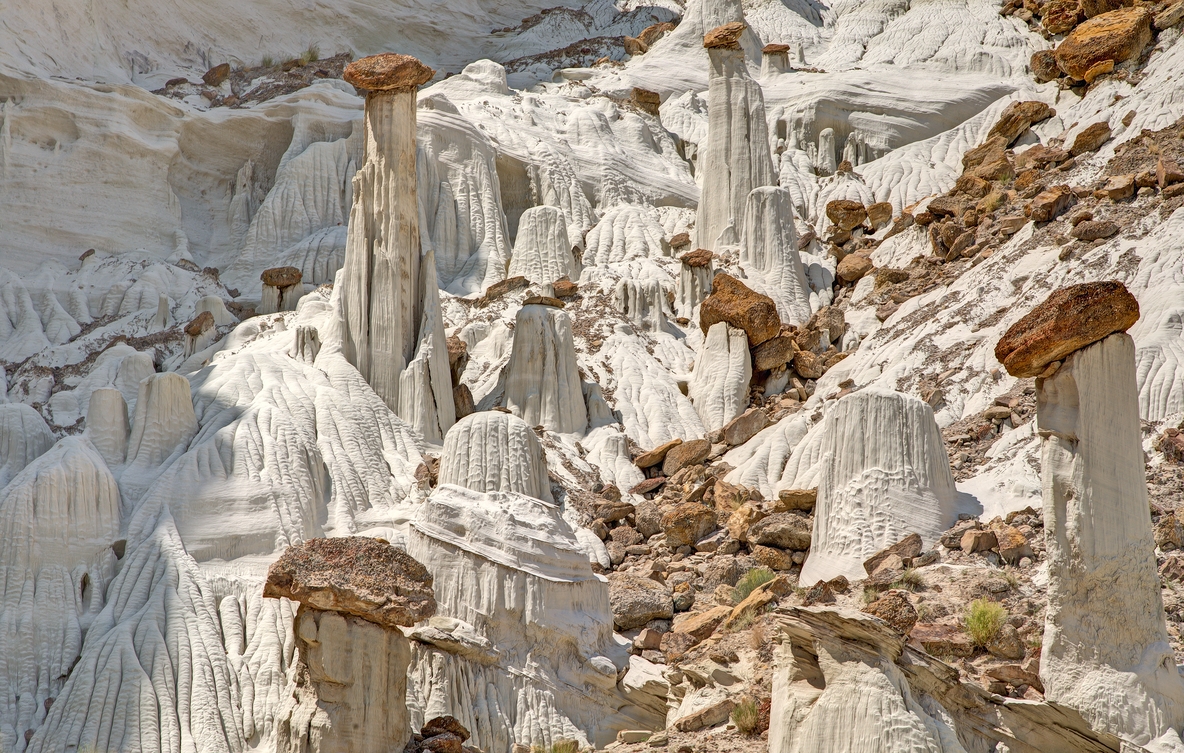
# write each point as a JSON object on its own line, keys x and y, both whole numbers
{"x": 796, "y": 499}
{"x": 906, "y": 549}
{"x": 656, "y": 455}
{"x": 745, "y": 426}
{"x": 727, "y": 36}
{"x": 941, "y": 640}
{"x": 1018, "y": 117}
{"x": 387, "y": 72}
{"x": 685, "y": 454}
{"x": 1070, "y": 319}
{"x": 734, "y": 302}
{"x": 356, "y": 575}
{"x": 281, "y": 277}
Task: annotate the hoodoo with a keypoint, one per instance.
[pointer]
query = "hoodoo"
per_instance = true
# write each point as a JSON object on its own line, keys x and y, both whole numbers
{"x": 389, "y": 299}
{"x": 769, "y": 252}
{"x": 542, "y": 378}
{"x": 1106, "y": 652}
{"x": 493, "y": 451}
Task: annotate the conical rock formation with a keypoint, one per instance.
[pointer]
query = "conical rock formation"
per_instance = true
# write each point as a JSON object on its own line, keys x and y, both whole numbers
{"x": 885, "y": 475}
{"x": 769, "y": 252}
{"x": 542, "y": 378}
{"x": 542, "y": 253}
{"x": 493, "y": 451}
{"x": 24, "y": 436}
{"x": 719, "y": 382}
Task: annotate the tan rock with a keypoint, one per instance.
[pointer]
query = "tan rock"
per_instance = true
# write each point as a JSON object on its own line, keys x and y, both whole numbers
{"x": 201, "y": 323}
{"x": 796, "y": 499}
{"x": 808, "y": 364}
{"x": 647, "y": 100}
{"x": 281, "y": 277}
{"x": 1117, "y": 35}
{"x": 879, "y": 214}
{"x": 656, "y": 455}
{"x": 1049, "y": 204}
{"x": 1011, "y": 544}
{"x": 1068, "y": 320}
{"x": 636, "y": 601}
{"x": 845, "y": 213}
{"x": 1090, "y": 139}
{"x": 941, "y": 640}
{"x": 1040, "y": 156}
{"x": 1098, "y": 69}
{"x": 853, "y": 267}
{"x": 716, "y": 713}
{"x": 387, "y": 72}
{"x": 895, "y": 609}
{"x": 784, "y": 530}
{"x": 734, "y": 302}
{"x": 728, "y": 497}
{"x": 757, "y": 601}
{"x": 743, "y": 519}
{"x": 675, "y": 645}
{"x": 978, "y": 541}
{"x": 906, "y": 549}
{"x": 685, "y": 454}
{"x": 1167, "y": 172}
{"x": 1060, "y": 16}
{"x": 1092, "y": 230}
{"x": 1007, "y": 643}
{"x": 744, "y": 427}
{"x": 1018, "y": 117}
{"x": 726, "y": 36}
{"x": 1119, "y": 187}
{"x": 772, "y": 558}
{"x": 686, "y": 523}
{"x": 356, "y": 575}
{"x": 773, "y": 353}
{"x": 1170, "y": 16}
{"x": 1169, "y": 534}
{"x": 702, "y": 624}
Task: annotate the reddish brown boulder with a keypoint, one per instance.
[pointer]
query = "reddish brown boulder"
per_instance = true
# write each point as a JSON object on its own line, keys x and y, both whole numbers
{"x": 656, "y": 455}
{"x": 1168, "y": 172}
{"x": 200, "y": 323}
{"x": 387, "y": 72}
{"x": 281, "y": 277}
{"x": 853, "y": 267}
{"x": 1048, "y": 205}
{"x": 1068, "y": 320}
{"x": 681, "y": 240}
{"x": 845, "y": 213}
{"x": 726, "y": 36}
{"x": 216, "y": 75}
{"x": 700, "y": 257}
{"x": 565, "y": 288}
{"x": 1090, "y": 139}
{"x": 734, "y": 302}
{"x": 356, "y": 575}
{"x": 1117, "y": 36}
{"x": 686, "y": 523}
{"x": 1060, "y": 16}
{"x": 1044, "y": 66}
{"x": 775, "y": 49}
{"x": 1040, "y": 156}
{"x": 442, "y": 724}
{"x": 772, "y": 353}
{"x": 1092, "y": 230}
{"x": 685, "y": 454}
{"x": 894, "y": 608}
{"x": 1018, "y": 117}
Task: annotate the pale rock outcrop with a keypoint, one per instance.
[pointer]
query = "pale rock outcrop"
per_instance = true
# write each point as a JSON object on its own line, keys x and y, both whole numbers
{"x": 719, "y": 382}
{"x": 542, "y": 253}
{"x": 107, "y": 425}
{"x": 491, "y": 451}
{"x": 769, "y": 252}
{"x": 522, "y": 650}
{"x": 643, "y": 302}
{"x": 58, "y": 519}
{"x": 217, "y": 308}
{"x": 885, "y": 475}
{"x": 542, "y": 378}
{"x": 1106, "y": 652}
{"x": 736, "y": 157}
{"x": 24, "y": 436}
{"x": 164, "y": 421}
{"x": 389, "y": 300}
{"x": 624, "y": 233}
{"x": 694, "y": 282}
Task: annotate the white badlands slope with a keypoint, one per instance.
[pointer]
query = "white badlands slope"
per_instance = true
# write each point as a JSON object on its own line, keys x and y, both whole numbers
{"x": 144, "y": 489}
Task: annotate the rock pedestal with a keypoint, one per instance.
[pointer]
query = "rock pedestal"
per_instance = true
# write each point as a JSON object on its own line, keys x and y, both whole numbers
{"x": 199, "y": 333}
{"x": 774, "y": 60}
{"x": 694, "y": 281}
{"x": 1106, "y": 652}
{"x": 390, "y": 305}
{"x": 542, "y": 253}
{"x": 719, "y": 382}
{"x": 642, "y": 301}
{"x": 282, "y": 288}
{"x": 736, "y": 158}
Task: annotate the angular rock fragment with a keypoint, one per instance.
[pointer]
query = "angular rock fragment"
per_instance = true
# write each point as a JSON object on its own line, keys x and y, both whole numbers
{"x": 656, "y": 455}
{"x": 1050, "y": 204}
{"x": 636, "y": 601}
{"x": 734, "y": 302}
{"x": 1018, "y": 117}
{"x": 686, "y": 523}
{"x": 1090, "y": 139}
{"x": 1117, "y": 36}
{"x": 685, "y": 454}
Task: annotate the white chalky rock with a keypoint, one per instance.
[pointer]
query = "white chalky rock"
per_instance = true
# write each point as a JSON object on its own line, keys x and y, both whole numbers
{"x": 826, "y": 163}
{"x": 542, "y": 253}
{"x": 719, "y": 382}
{"x": 769, "y": 252}
{"x": 522, "y": 648}
{"x": 1106, "y": 651}
{"x": 624, "y": 232}
{"x": 736, "y": 158}
{"x": 217, "y": 308}
{"x": 885, "y": 475}
{"x": 58, "y": 519}
{"x": 164, "y": 421}
{"x": 493, "y": 451}
{"x": 694, "y": 284}
{"x": 775, "y": 62}
{"x": 107, "y": 425}
{"x": 24, "y": 436}
{"x": 390, "y": 304}
{"x": 643, "y": 302}
{"x": 542, "y": 378}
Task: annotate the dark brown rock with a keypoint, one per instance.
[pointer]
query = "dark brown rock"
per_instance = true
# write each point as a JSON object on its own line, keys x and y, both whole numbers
{"x": 691, "y": 452}
{"x": 1167, "y": 172}
{"x": 774, "y": 352}
{"x": 1068, "y": 320}
{"x": 1092, "y": 230}
{"x": 647, "y": 100}
{"x": 1018, "y": 117}
{"x": 442, "y": 724}
{"x": 726, "y": 36}
{"x": 635, "y": 601}
{"x": 941, "y": 640}
{"x": 387, "y": 72}
{"x": 565, "y": 288}
{"x": 1044, "y": 66}
{"x": 734, "y": 302}
{"x": 462, "y": 401}
{"x": 775, "y": 49}
{"x": 698, "y": 258}
{"x": 894, "y": 608}
{"x": 445, "y": 742}
{"x": 906, "y": 549}
{"x": 744, "y": 427}
{"x": 216, "y": 75}
{"x": 948, "y": 206}
{"x": 1117, "y": 36}
{"x": 356, "y": 575}
{"x": 1060, "y": 16}
{"x": 681, "y": 240}
{"x": 1090, "y": 139}
{"x": 281, "y": 277}
{"x": 1040, "y": 156}
{"x": 200, "y": 323}
{"x": 543, "y": 300}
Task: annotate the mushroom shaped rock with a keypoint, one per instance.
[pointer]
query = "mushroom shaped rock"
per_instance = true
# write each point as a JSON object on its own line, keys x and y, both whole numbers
{"x": 694, "y": 281}
{"x": 775, "y": 59}
{"x": 491, "y": 451}
{"x": 542, "y": 253}
{"x": 524, "y": 625}
{"x": 719, "y": 382}
{"x": 281, "y": 289}
{"x": 1106, "y": 652}
{"x": 542, "y": 378}
{"x": 387, "y": 72}
{"x": 885, "y": 475}
{"x": 355, "y": 575}
{"x": 1068, "y": 320}
{"x": 24, "y": 436}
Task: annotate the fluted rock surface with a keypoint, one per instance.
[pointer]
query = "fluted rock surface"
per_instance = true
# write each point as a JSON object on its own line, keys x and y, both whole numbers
{"x": 491, "y": 451}
{"x": 542, "y": 253}
{"x": 24, "y": 436}
{"x": 769, "y": 252}
{"x": 1105, "y": 651}
{"x": 107, "y": 425}
{"x": 736, "y": 157}
{"x": 164, "y": 421}
{"x": 542, "y": 379}
{"x": 885, "y": 475}
{"x": 389, "y": 301}
{"x": 643, "y": 302}
{"x": 719, "y": 382}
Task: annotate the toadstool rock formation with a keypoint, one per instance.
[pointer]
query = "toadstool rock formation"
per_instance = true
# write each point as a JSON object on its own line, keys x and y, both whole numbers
{"x": 542, "y": 379}
{"x": 643, "y": 302}
{"x": 493, "y": 451}
{"x": 774, "y": 60}
{"x": 1105, "y": 652}
{"x": 392, "y": 331}
{"x": 694, "y": 281}
{"x": 736, "y": 157}
{"x": 885, "y": 475}
{"x": 281, "y": 289}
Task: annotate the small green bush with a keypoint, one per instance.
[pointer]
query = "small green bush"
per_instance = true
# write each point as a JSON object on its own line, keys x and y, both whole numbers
{"x": 747, "y": 717}
{"x": 983, "y": 620}
{"x": 911, "y": 580}
{"x": 752, "y": 580}
{"x": 267, "y": 61}
{"x": 312, "y": 53}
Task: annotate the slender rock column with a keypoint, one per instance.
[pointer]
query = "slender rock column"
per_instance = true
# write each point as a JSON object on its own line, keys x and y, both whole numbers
{"x": 1106, "y": 652}
{"x": 389, "y": 305}
{"x": 737, "y": 158}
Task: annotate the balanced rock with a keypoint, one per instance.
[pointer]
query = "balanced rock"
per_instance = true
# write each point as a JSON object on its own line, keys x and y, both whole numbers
{"x": 387, "y": 72}
{"x": 1018, "y": 117}
{"x": 726, "y": 36}
{"x": 734, "y": 302}
{"x": 1068, "y": 320}
{"x": 1115, "y": 36}
{"x": 355, "y": 575}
